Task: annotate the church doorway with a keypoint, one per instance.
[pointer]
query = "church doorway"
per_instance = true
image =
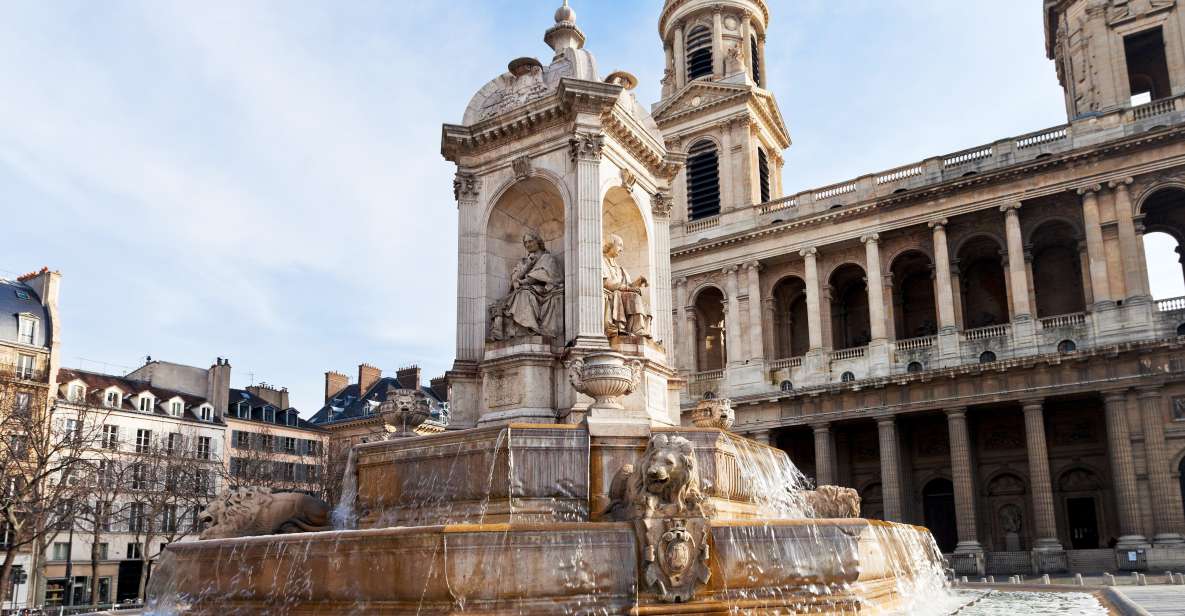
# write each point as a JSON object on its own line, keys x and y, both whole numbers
{"x": 938, "y": 505}
{"x": 1082, "y": 515}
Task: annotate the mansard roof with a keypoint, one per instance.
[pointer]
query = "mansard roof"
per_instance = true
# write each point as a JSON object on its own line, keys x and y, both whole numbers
{"x": 17, "y": 298}
{"x": 348, "y": 404}
{"x": 97, "y": 384}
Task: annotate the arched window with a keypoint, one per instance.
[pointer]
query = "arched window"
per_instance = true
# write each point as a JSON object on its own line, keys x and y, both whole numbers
{"x": 703, "y": 181}
{"x": 787, "y": 386}
{"x": 1066, "y": 346}
{"x": 699, "y": 52}
{"x": 849, "y": 308}
{"x": 987, "y": 357}
{"x": 1164, "y": 242}
{"x": 915, "y": 367}
{"x": 791, "y": 326}
{"x": 981, "y": 280}
{"x": 847, "y": 377}
{"x": 755, "y": 52}
{"x": 914, "y": 308}
{"x": 763, "y": 174}
{"x": 1057, "y": 270}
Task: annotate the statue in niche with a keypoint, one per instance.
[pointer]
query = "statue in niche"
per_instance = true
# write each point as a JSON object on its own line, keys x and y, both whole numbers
{"x": 535, "y": 305}
{"x": 1011, "y": 520}
{"x": 626, "y": 312}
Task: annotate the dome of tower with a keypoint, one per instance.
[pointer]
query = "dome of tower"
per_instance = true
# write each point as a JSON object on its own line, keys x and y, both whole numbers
{"x": 527, "y": 79}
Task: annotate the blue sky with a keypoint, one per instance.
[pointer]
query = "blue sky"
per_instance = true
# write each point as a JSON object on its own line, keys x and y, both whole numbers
{"x": 262, "y": 180}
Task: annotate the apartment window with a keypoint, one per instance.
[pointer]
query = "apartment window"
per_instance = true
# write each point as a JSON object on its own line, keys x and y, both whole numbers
{"x": 103, "y": 551}
{"x": 145, "y": 404}
{"x": 168, "y": 519}
{"x": 286, "y": 471}
{"x": 203, "y": 447}
{"x": 113, "y": 399}
{"x": 27, "y": 330}
{"x": 202, "y": 483}
{"x": 77, "y": 392}
{"x": 110, "y": 437}
{"x": 139, "y": 477}
{"x": 6, "y": 536}
{"x": 18, "y": 446}
{"x": 176, "y": 408}
{"x": 269, "y": 414}
{"x": 134, "y": 551}
{"x": 207, "y": 413}
{"x": 240, "y": 439}
{"x": 313, "y": 473}
{"x": 1147, "y": 67}
{"x": 173, "y": 445}
{"x": 103, "y": 517}
{"x": 20, "y": 403}
{"x": 61, "y": 550}
{"x": 243, "y": 410}
{"x": 1178, "y": 409}
{"x": 73, "y": 429}
{"x": 266, "y": 442}
{"x": 24, "y": 366}
{"x": 135, "y": 519}
{"x": 143, "y": 440}
{"x": 289, "y": 445}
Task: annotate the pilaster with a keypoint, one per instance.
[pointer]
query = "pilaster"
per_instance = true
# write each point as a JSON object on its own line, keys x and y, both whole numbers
{"x": 1128, "y": 245}
{"x": 586, "y": 149}
{"x": 660, "y": 207}
{"x": 470, "y": 312}
{"x": 890, "y": 468}
{"x": 756, "y": 327}
{"x": 734, "y": 345}
{"x": 1095, "y": 250}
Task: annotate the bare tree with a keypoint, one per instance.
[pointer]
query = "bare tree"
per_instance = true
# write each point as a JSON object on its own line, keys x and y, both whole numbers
{"x": 42, "y": 464}
{"x": 264, "y": 459}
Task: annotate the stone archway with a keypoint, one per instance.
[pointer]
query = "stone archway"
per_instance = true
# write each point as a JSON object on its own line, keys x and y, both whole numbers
{"x": 850, "y": 326}
{"x": 790, "y": 318}
{"x": 1081, "y": 494}
{"x": 1164, "y": 240}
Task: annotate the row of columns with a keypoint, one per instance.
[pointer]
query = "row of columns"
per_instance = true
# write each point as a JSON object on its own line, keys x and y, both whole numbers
{"x": 1130, "y": 243}
{"x": 1168, "y": 522}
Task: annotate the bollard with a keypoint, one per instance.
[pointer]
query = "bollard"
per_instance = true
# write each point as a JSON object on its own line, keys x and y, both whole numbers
{"x": 983, "y": 580}
{"x": 1078, "y": 579}
{"x": 1045, "y": 579}
{"x": 991, "y": 579}
{"x": 1169, "y": 577}
{"x": 1143, "y": 580}
{"x": 1110, "y": 579}
{"x": 964, "y": 579}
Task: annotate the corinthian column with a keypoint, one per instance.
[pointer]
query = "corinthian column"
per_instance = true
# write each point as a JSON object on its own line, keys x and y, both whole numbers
{"x": 1042, "y": 489}
{"x": 735, "y": 346}
{"x": 1128, "y": 246}
{"x": 684, "y": 352}
{"x": 1016, "y": 262}
{"x": 824, "y": 458}
{"x": 890, "y": 468}
{"x": 660, "y": 207}
{"x": 1123, "y": 471}
{"x": 943, "y": 289}
{"x": 814, "y": 326}
{"x": 590, "y": 309}
{"x": 470, "y": 311}
{"x": 960, "y": 463}
{"x": 756, "y": 327}
{"x": 1166, "y": 498}
{"x": 718, "y": 51}
{"x": 680, "y": 58}
{"x": 1095, "y": 252}
{"x": 876, "y": 289}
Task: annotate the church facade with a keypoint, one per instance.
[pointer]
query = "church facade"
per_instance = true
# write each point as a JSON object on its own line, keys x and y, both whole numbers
{"x": 968, "y": 340}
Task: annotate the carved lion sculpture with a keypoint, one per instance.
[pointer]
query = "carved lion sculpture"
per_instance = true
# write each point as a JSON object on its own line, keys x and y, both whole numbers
{"x": 251, "y": 512}
{"x": 665, "y": 483}
{"x": 834, "y": 502}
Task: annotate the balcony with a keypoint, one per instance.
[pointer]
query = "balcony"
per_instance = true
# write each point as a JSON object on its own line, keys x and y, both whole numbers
{"x": 987, "y": 333}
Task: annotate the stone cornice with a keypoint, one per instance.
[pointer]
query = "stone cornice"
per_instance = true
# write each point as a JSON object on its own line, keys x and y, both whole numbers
{"x": 573, "y": 96}
{"x": 762, "y": 103}
{"x": 674, "y": 5}
{"x": 954, "y": 186}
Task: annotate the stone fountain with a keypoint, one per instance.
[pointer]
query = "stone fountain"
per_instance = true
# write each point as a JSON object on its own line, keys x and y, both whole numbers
{"x": 569, "y": 483}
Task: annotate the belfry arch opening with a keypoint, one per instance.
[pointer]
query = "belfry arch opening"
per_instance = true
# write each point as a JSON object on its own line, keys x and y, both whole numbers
{"x": 792, "y": 330}
{"x": 710, "y": 338}
{"x": 850, "y": 324}
{"x": 1147, "y": 66}
{"x": 914, "y": 309}
{"x": 699, "y": 52}
{"x": 1057, "y": 270}
{"x": 1164, "y": 242}
{"x": 982, "y": 283}
{"x": 703, "y": 180}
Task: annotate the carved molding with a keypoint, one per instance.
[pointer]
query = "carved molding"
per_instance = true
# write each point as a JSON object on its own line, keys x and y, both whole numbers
{"x": 661, "y": 204}
{"x": 466, "y": 186}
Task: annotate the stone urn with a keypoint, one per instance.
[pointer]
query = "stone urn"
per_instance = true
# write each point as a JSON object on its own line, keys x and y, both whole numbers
{"x": 605, "y": 377}
{"x": 403, "y": 411}
{"x": 716, "y": 413}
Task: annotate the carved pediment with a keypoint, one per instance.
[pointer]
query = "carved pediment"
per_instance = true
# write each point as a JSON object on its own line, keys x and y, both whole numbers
{"x": 699, "y": 95}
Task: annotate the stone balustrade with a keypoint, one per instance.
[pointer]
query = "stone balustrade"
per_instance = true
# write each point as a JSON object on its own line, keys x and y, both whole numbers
{"x": 991, "y": 331}
{"x": 709, "y": 375}
{"x": 783, "y": 364}
{"x": 846, "y": 354}
{"x": 1064, "y": 320}
{"x": 939, "y": 169}
{"x": 1171, "y": 305}
{"x": 914, "y": 344}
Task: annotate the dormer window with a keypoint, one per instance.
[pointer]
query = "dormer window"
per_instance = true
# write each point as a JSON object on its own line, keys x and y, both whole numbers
{"x": 146, "y": 403}
{"x": 76, "y": 392}
{"x": 27, "y": 329}
{"x": 176, "y": 408}
{"x": 269, "y": 414}
{"x": 206, "y": 412}
{"x": 113, "y": 399}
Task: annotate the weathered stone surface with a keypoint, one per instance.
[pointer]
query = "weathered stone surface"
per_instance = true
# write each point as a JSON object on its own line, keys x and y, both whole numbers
{"x": 250, "y": 512}
{"x": 834, "y": 502}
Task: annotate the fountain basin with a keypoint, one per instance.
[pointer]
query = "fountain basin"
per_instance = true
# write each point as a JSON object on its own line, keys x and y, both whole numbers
{"x": 824, "y": 566}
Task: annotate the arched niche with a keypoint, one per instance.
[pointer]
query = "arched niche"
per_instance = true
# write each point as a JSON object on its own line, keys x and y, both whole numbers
{"x": 532, "y": 204}
{"x": 623, "y": 217}
{"x": 850, "y": 326}
{"x": 710, "y": 340}
{"x": 982, "y": 281}
{"x": 1057, "y": 269}
{"x": 790, "y": 317}
{"x": 914, "y": 308}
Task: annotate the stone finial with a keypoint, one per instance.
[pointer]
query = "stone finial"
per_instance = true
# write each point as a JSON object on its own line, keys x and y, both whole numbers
{"x": 564, "y": 34}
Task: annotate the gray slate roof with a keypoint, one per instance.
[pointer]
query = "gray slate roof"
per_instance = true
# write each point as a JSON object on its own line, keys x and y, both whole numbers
{"x": 15, "y": 298}
{"x": 347, "y": 404}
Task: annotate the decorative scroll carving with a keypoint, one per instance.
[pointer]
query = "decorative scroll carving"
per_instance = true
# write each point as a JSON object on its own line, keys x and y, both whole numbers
{"x": 660, "y": 205}
{"x": 252, "y": 512}
{"x": 586, "y": 146}
{"x": 466, "y": 186}
{"x": 668, "y": 508}
{"x": 522, "y": 84}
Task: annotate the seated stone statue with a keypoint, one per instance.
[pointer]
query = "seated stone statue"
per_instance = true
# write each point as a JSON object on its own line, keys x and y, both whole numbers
{"x": 626, "y": 312}
{"x": 535, "y": 305}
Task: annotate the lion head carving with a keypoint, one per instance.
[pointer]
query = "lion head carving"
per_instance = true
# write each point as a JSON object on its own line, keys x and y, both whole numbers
{"x": 665, "y": 482}
{"x": 250, "y": 512}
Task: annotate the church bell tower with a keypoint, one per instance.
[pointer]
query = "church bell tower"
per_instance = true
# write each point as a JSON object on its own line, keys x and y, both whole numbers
{"x": 716, "y": 109}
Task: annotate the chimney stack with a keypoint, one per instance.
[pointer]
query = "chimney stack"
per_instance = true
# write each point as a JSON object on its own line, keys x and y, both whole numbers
{"x": 335, "y": 382}
{"x": 218, "y": 386}
{"x": 439, "y": 387}
{"x": 368, "y": 375}
{"x": 409, "y": 378}
{"x": 275, "y": 396}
